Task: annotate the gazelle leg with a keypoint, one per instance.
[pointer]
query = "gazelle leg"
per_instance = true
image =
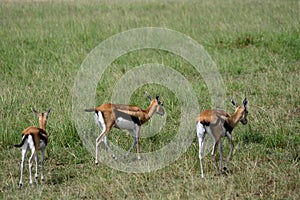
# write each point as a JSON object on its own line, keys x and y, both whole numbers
{"x": 201, "y": 135}
{"x": 104, "y": 132}
{"x": 24, "y": 150}
{"x": 221, "y": 153}
{"x": 137, "y": 142}
{"x": 229, "y": 137}
{"x": 214, "y": 156}
{"x": 42, "y": 163}
{"x": 133, "y": 144}
{"x": 36, "y": 167}
{"x": 98, "y": 141}
{"x": 33, "y": 152}
{"x": 135, "y": 135}
{"x": 108, "y": 147}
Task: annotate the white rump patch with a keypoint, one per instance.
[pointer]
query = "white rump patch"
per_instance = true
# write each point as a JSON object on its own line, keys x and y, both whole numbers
{"x": 200, "y": 130}
{"x": 99, "y": 120}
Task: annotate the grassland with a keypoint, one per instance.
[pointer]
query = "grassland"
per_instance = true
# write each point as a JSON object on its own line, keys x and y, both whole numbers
{"x": 255, "y": 45}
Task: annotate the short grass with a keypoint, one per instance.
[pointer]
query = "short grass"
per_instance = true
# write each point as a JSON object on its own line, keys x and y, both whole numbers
{"x": 255, "y": 44}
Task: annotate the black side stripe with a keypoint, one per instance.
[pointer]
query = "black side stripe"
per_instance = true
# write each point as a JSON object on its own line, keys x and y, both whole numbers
{"x": 228, "y": 127}
{"x": 128, "y": 117}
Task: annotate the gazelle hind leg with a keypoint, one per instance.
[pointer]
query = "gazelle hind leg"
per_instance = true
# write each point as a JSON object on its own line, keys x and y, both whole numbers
{"x": 105, "y": 129}
{"x": 24, "y": 150}
{"x": 108, "y": 148}
{"x": 33, "y": 152}
{"x": 99, "y": 119}
{"x": 101, "y": 137}
{"x": 98, "y": 140}
{"x": 201, "y": 135}
{"x": 133, "y": 145}
{"x": 42, "y": 163}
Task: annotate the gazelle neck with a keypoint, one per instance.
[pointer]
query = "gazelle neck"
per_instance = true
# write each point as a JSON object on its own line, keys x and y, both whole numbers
{"x": 43, "y": 122}
{"x": 150, "y": 110}
{"x": 235, "y": 117}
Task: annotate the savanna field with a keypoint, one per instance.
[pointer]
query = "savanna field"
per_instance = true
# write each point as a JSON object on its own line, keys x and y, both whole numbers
{"x": 254, "y": 44}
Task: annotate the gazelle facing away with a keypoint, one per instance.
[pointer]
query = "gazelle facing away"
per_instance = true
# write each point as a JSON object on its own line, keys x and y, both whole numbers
{"x": 35, "y": 138}
{"x": 218, "y": 124}
{"x": 125, "y": 117}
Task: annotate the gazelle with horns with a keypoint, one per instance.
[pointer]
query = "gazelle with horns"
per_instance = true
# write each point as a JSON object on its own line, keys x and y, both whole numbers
{"x": 126, "y": 117}
{"x": 218, "y": 124}
{"x": 34, "y": 138}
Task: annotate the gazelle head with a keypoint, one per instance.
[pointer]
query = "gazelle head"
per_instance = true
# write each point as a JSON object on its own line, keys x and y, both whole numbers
{"x": 43, "y": 117}
{"x": 157, "y": 104}
{"x": 243, "y": 111}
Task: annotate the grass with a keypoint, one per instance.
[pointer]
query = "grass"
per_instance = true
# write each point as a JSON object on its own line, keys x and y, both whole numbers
{"x": 255, "y": 45}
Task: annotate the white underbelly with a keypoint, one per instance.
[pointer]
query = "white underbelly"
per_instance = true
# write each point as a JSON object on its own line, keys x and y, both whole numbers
{"x": 125, "y": 124}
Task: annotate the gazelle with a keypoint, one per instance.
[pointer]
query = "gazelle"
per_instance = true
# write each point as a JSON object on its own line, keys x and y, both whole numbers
{"x": 218, "y": 124}
{"x": 35, "y": 138}
{"x": 125, "y": 117}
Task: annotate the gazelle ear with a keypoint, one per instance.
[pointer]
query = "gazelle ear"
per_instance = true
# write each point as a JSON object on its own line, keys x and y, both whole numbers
{"x": 148, "y": 96}
{"x": 157, "y": 97}
{"x": 47, "y": 113}
{"x": 245, "y": 102}
{"x": 35, "y": 112}
{"x": 233, "y": 102}
{"x": 158, "y": 100}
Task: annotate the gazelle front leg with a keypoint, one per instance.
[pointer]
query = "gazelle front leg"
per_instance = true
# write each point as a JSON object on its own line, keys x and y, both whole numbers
{"x": 213, "y": 156}
{"x": 133, "y": 144}
{"x": 135, "y": 135}
{"x": 137, "y": 142}
{"x": 229, "y": 137}
{"x": 221, "y": 153}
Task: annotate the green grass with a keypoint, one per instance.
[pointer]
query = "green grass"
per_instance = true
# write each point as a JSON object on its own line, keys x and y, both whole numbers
{"x": 255, "y": 44}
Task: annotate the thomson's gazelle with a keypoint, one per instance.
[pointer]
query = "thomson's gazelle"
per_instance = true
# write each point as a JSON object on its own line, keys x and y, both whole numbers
{"x": 125, "y": 117}
{"x": 218, "y": 124}
{"x": 35, "y": 138}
